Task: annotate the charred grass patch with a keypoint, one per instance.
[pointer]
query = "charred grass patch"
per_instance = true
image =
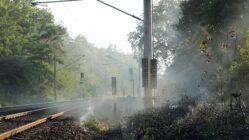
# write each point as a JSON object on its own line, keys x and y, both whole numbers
{"x": 189, "y": 120}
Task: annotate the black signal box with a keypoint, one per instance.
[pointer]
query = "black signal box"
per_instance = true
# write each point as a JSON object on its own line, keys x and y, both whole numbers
{"x": 154, "y": 73}
{"x": 114, "y": 86}
{"x": 145, "y": 73}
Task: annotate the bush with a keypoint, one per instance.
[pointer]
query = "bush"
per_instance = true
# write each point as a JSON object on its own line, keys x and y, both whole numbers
{"x": 94, "y": 125}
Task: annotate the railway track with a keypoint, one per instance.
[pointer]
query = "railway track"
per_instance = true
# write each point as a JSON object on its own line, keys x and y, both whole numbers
{"x": 56, "y": 129}
{"x": 19, "y": 122}
{"x": 27, "y": 107}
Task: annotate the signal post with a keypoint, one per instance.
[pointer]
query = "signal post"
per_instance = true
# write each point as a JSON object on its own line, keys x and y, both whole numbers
{"x": 148, "y": 63}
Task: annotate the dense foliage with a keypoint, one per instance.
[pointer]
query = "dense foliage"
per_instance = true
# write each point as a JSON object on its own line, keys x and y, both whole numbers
{"x": 29, "y": 41}
{"x": 31, "y": 44}
{"x": 203, "y": 46}
{"x": 98, "y": 66}
{"x": 207, "y": 56}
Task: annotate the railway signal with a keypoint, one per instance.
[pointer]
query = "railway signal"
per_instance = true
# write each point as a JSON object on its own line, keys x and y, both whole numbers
{"x": 114, "y": 86}
{"x": 132, "y": 80}
{"x": 145, "y": 75}
{"x": 81, "y": 78}
{"x": 82, "y": 75}
{"x": 114, "y": 92}
{"x": 148, "y": 51}
{"x": 154, "y": 73}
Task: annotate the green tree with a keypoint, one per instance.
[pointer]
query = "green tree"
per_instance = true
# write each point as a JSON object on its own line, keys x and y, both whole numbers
{"x": 196, "y": 38}
{"x": 29, "y": 39}
{"x": 98, "y": 66}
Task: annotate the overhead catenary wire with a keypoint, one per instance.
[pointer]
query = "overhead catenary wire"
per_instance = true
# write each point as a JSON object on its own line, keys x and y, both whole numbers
{"x": 53, "y": 1}
{"x": 119, "y": 62}
{"x": 122, "y": 11}
{"x": 59, "y": 1}
{"x": 73, "y": 62}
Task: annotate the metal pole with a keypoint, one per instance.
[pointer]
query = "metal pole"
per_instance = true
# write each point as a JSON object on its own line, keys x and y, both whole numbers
{"x": 148, "y": 100}
{"x": 81, "y": 84}
{"x": 139, "y": 78}
{"x": 105, "y": 83}
{"x": 133, "y": 88}
{"x": 55, "y": 92}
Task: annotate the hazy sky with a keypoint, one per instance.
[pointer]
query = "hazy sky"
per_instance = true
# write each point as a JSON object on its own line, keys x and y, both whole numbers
{"x": 100, "y": 24}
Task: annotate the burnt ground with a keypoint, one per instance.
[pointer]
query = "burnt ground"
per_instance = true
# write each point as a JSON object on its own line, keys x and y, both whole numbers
{"x": 185, "y": 121}
{"x": 190, "y": 120}
{"x": 60, "y": 129}
{"x": 70, "y": 129}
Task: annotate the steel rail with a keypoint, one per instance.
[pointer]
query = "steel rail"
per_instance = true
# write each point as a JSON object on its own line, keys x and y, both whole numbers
{"x": 20, "y": 129}
{"x": 35, "y": 105}
{"x": 20, "y": 114}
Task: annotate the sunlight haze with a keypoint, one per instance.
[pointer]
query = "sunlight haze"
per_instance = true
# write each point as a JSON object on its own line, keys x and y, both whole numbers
{"x": 99, "y": 23}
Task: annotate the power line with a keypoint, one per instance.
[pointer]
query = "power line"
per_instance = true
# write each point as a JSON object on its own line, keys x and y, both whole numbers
{"x": 122, "y": 11}
{"x": 54, "y": 1}
{"x": 59, "y": 1}
{"x": 74, "y": 61}
{"x": 112, "y": 58}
